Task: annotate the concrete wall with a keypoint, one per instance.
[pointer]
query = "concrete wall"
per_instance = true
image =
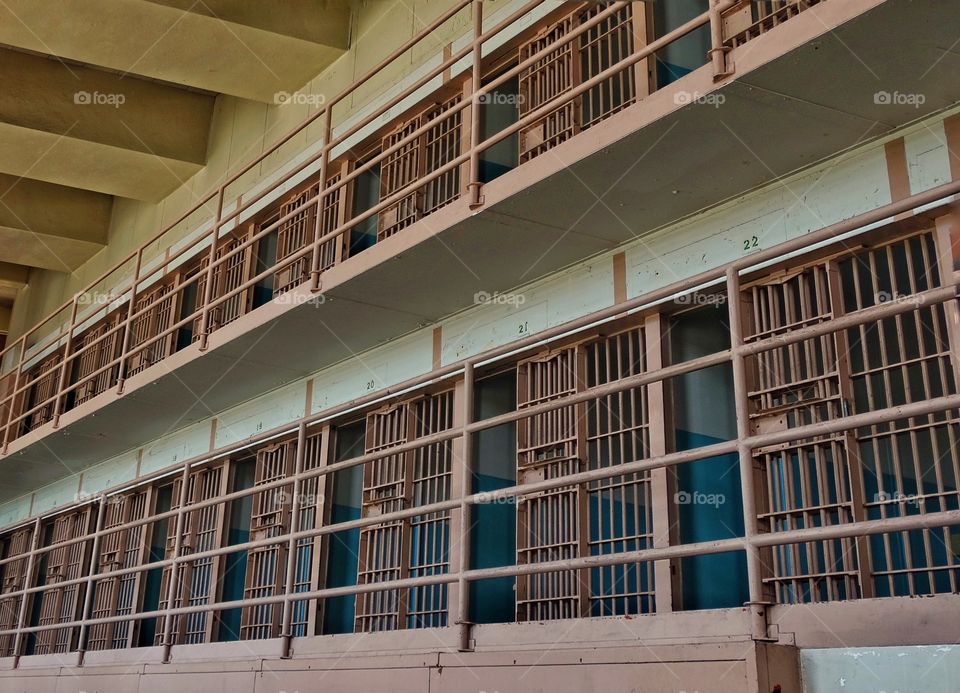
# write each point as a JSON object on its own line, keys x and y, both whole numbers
{"x": 837, "y": 189}
{"x": 918, "y": 669}
{"x": 584, "y": 655}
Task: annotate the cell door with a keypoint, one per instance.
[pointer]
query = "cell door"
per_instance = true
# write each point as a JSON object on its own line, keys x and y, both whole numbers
{"x": 603, "y": 517}
{"x": 411, "y": 547}
{"x": 68, "y": 562}
{"x": 574, "y": 62}
{"x": 808, "y": 483}
{"x": 910, "y": 466}
{"x": 45, "y": 385}
{"x": 547, "y": 79}
{"x": 156, "y": 315}
{"x": 292, "y": 235}
{"x": 196, "y": 580}
{"x": 307, "y": 563}
{"x": 99, "y": 346}
{"x": 14, "y": 576}
{"x": 266, "y": 565}
{"x": 398, "y": 170}
{"x": 227, "y": 276}
{"x": 551, "y": 525}
{"x": 119, "y": 549}
{"x": 441, "y": 145}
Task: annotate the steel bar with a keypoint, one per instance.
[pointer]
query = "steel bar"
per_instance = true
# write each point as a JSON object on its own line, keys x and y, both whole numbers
{"x": 128, "y": 321}
{"x": 172, "y": 583}
{"x": 285, "y": 629}
{"x": 91, "y": 572}
{"x": 745, "y": 455}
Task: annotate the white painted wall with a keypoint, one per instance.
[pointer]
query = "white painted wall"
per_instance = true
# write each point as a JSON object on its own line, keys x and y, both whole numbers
{"x": 916, "y": 669}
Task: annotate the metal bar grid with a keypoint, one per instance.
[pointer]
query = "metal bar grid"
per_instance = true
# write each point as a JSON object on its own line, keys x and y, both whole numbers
{"x": 292, "y": 235}
{"x": 749, "y": 19}
{"x": 270, "y": 517}
{"x": 14, "y": 578}
{"x": 415, "y": 546}
{"x": 61, "y": 603}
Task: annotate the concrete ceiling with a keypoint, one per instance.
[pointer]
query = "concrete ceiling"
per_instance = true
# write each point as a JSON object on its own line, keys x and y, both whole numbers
{"x": 114, "y": 98}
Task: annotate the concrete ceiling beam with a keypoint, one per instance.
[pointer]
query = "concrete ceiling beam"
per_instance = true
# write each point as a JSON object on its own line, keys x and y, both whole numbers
{"x": 88, "y": 128}
{"x": 247, "y": 49}
{"x": 49, "y": 226}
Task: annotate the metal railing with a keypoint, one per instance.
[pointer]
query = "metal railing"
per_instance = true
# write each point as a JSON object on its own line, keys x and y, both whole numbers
{"x": 941, "y": 295}
{"x": 60, "y": 337}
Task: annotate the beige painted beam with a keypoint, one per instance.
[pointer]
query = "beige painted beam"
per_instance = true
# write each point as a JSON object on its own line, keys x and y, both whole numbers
{"x": 246, "y": 49}
{"x": 98, "y": 130}
{"x": 12, "y": 279}
{"x": 50, "y": 226}
{"x": 13, "y": 276}
{"x": 326, "y": 22}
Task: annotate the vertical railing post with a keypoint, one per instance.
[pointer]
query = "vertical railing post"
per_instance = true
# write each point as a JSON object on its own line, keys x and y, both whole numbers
{"x": 756, "y": 606}
{"x": 91, "y": 572}
{"x": 287, "y": 620}
{"x": 18, "y": 368}
{"x": 474, "y": 185}
{"x": 27, "y": 579}
{"x": 321, "y": 189}
{"x": 58, "y": 397}
{"x": 172, "y": 583}
{"x": 466, "y": 485}
{"x": 211, "y": 258}
{"x": 128, "y": 322}
{"x": 718, "y": 49}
